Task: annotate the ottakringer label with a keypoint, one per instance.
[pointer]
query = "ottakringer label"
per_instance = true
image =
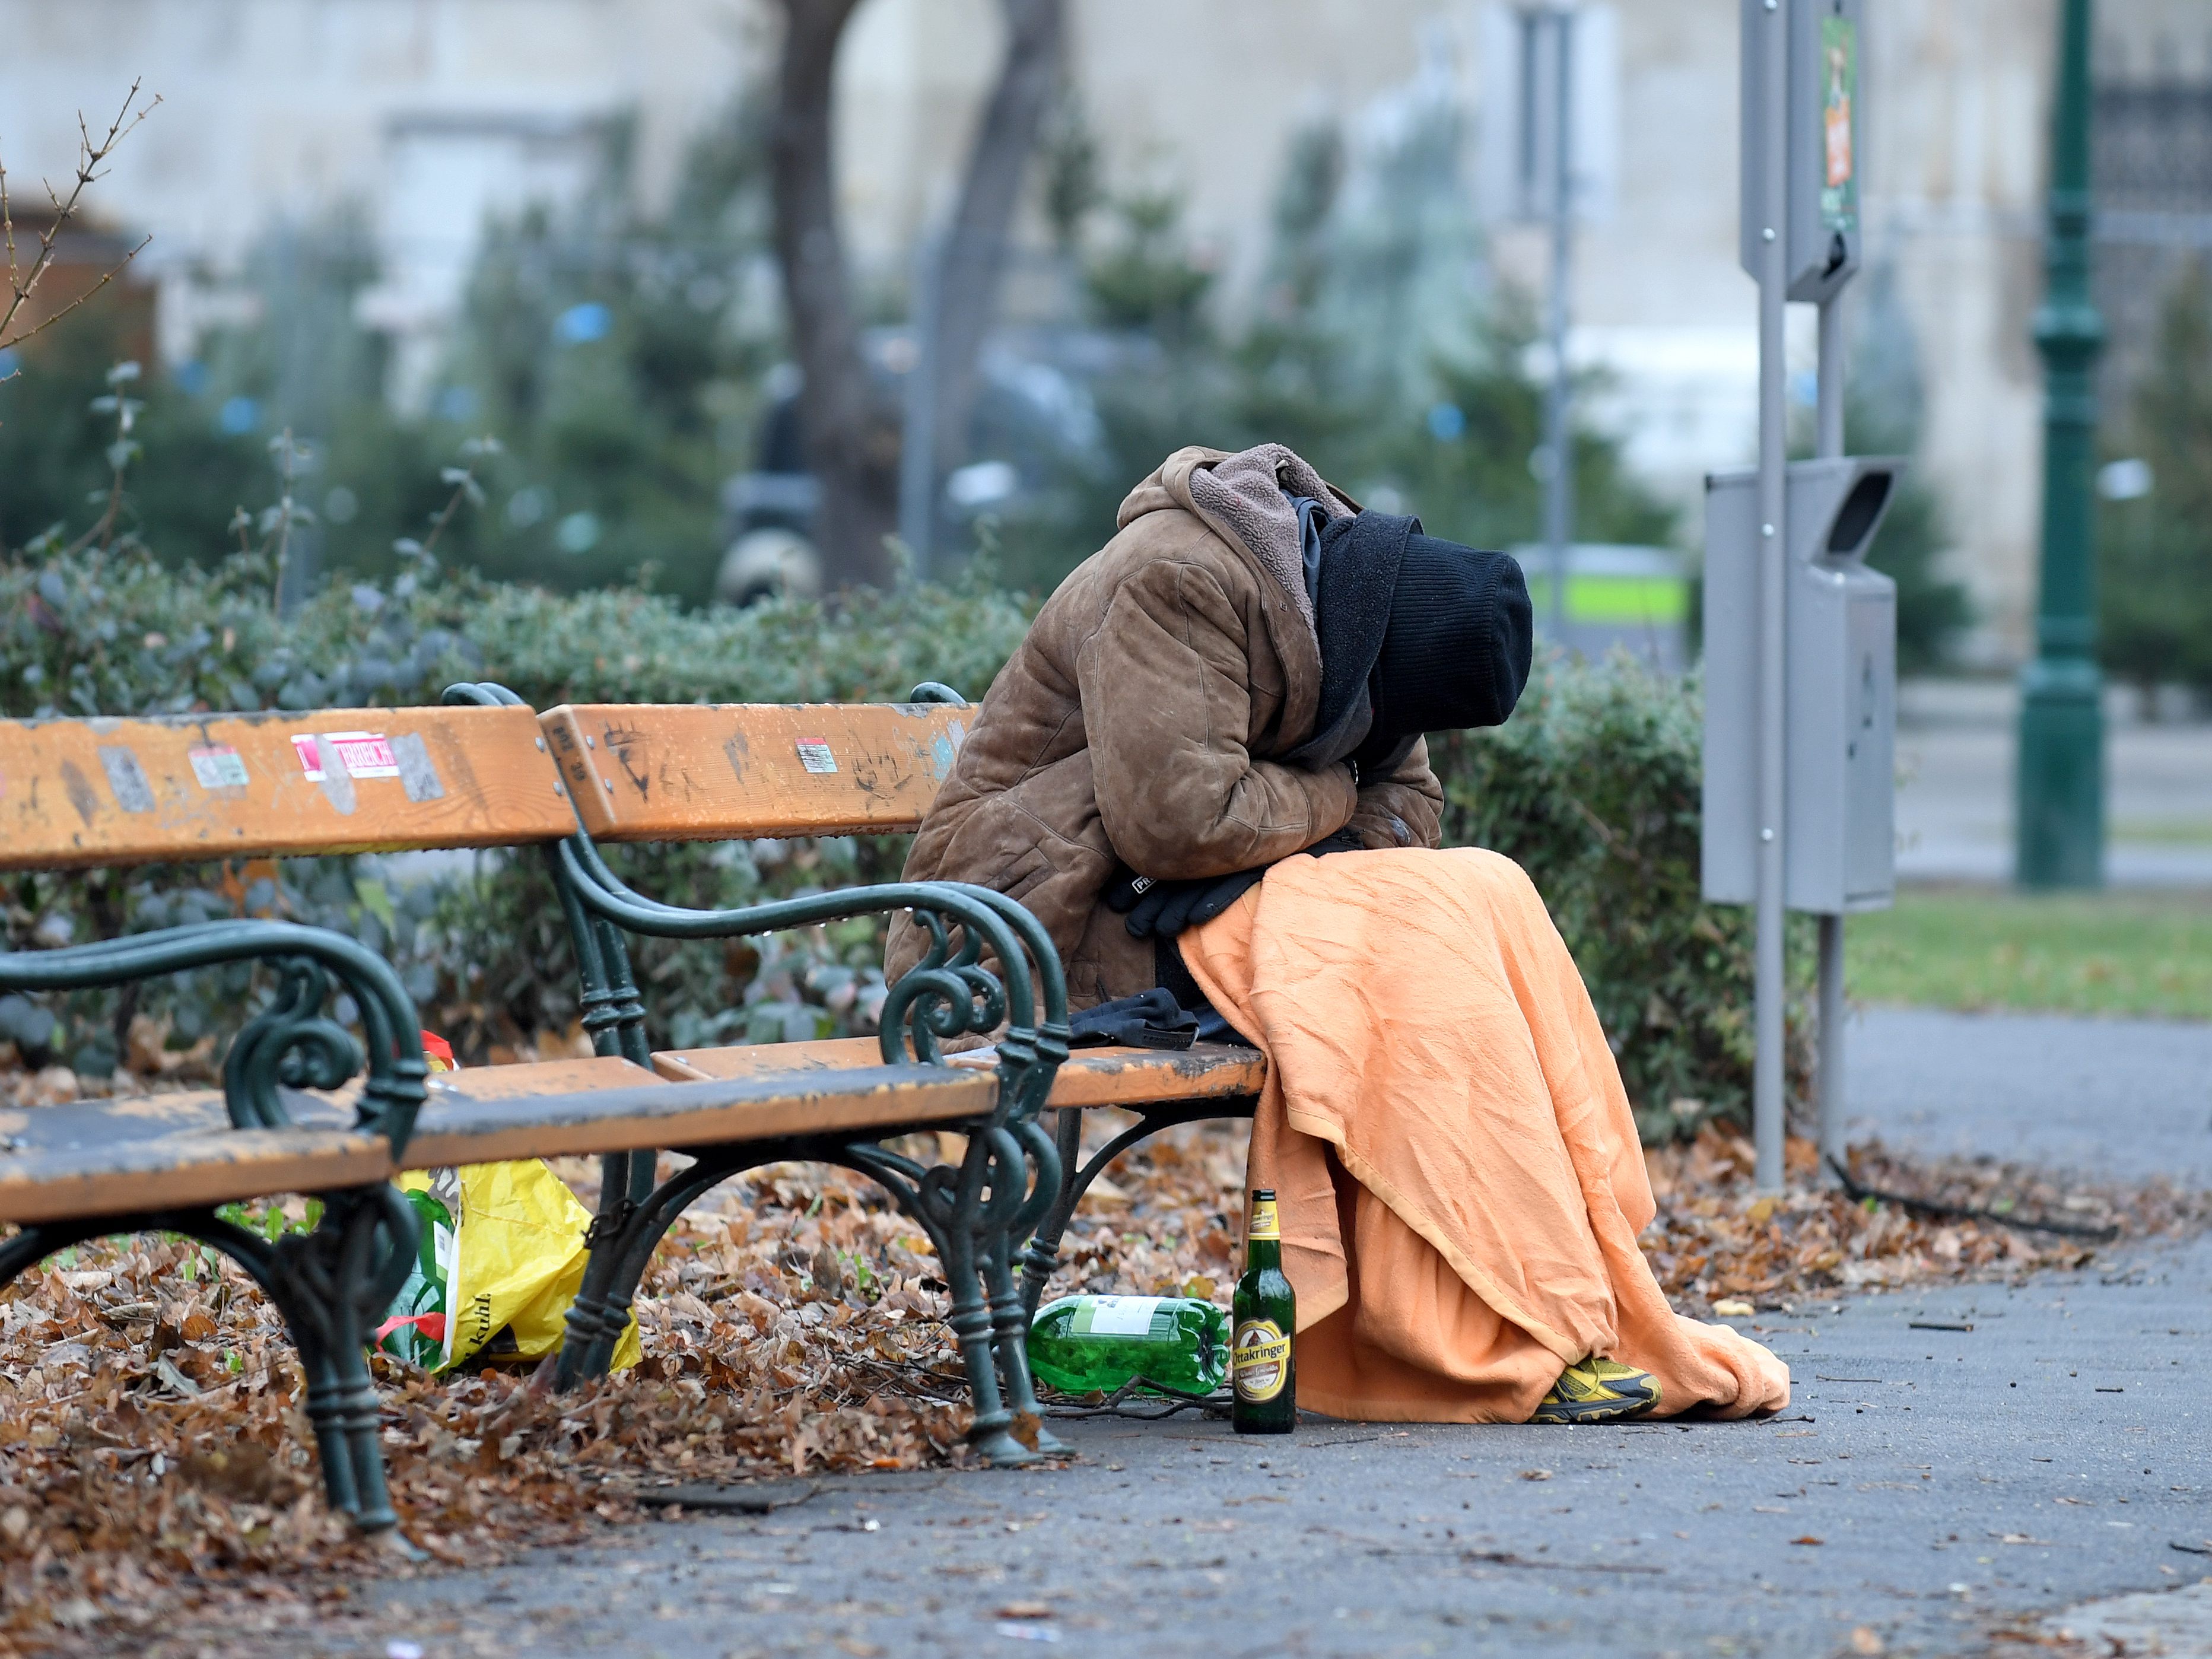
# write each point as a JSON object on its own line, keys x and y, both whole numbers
{"x": 1260, "y": 1359}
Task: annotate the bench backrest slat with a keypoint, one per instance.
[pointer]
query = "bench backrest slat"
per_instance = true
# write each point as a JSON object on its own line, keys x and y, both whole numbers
{"x": 695, "y": 772}
{"x": 82, "y": 793}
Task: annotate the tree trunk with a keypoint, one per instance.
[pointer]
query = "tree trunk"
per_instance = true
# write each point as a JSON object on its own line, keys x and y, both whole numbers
{"x": 851, "y": 430}
{"x": 974, "y": 258}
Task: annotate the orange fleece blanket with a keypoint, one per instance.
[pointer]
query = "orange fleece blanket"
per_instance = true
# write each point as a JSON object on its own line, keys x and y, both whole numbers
{"x": 1459, "y": 1179}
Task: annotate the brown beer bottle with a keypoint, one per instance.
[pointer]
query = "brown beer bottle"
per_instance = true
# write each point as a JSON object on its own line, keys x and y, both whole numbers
{"x": 1266, "y": 1311}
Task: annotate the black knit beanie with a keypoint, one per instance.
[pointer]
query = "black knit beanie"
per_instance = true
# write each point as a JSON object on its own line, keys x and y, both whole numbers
{"x": 1456, "y": 651}
{"x": 1417, "y": 634}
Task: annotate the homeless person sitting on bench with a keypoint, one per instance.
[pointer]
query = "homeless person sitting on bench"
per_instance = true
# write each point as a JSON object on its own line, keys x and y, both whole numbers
{"x": 1240, "y": 678}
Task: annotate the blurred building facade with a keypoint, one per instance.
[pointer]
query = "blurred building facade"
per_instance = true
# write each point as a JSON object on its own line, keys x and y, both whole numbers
{"x": 411, "y": 120}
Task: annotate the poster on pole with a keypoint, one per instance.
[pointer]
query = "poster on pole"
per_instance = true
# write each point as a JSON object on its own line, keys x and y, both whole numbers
{"x": 1840, "y": 86}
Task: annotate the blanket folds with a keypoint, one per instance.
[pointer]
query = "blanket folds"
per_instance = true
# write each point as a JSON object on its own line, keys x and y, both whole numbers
{"x": 1459, "y": 1179}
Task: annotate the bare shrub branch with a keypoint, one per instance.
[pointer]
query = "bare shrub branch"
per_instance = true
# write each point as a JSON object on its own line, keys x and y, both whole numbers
{"x": 92, "y": 157}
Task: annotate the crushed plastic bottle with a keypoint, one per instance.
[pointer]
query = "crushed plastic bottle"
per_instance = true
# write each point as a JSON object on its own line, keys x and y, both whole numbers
{"x": 1098, "y": 1344}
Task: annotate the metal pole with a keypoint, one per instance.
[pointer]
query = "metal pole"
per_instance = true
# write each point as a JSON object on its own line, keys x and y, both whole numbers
{"x": 1828, "y": 429}
{"x": 918, "y": 441}
{"x": 1828, "y": 441}
{"x": 1772, "y": 41}
{"x": 2060, "y": 830}
{"x": 1560, "y": 482}
{"x": 1829, "y": 1080}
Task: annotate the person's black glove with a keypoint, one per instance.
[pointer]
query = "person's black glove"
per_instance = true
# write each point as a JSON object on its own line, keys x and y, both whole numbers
{"x": 1166, "y": 908}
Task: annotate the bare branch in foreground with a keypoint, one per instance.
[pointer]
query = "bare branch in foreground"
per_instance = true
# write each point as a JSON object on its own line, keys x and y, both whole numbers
{"x": 92, "y": 157}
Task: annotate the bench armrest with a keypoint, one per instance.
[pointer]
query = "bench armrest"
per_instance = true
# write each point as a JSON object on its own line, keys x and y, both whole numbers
{"x": 292, "y": 1043}
{"x": 948, "y": 993}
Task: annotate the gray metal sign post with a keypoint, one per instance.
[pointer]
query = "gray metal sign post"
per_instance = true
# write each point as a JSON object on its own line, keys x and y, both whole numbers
{"x": 1767, "y": 44}
{"x": 1799, "y": 637}
{"x": 1833, "y": 58}
{"x": 1559, "y": 435}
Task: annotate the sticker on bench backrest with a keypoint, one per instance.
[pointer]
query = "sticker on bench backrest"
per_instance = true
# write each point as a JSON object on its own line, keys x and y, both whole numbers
{"x": 126, "y": 778}
{"x": 219, "y": 767}
{"x": 814, "y": 755}
{"x": 359, "y": 755}
{"x": 416, "y": 774}
{"x": 329, "y": 770}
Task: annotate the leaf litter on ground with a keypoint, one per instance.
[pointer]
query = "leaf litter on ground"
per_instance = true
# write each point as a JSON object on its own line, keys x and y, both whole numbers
{"x": 154, "y": 1454}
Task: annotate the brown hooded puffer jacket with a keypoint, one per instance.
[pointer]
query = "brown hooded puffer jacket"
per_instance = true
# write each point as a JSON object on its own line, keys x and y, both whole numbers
{"x": 1147, "y": 714}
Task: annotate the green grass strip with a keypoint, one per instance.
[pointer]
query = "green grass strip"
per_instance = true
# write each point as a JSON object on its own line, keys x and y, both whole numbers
{"x": 2135, "y": 953}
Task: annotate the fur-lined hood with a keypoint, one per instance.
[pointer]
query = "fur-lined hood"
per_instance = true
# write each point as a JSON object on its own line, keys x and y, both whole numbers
{"x": 1241, "y": 498}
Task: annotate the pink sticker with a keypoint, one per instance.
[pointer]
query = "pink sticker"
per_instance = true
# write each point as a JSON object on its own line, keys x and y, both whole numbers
{"x": 363, "y": 754}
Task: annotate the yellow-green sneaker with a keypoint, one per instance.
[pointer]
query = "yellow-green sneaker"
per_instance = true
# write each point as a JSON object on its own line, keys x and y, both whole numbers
{"x": 1598, "y": 1391}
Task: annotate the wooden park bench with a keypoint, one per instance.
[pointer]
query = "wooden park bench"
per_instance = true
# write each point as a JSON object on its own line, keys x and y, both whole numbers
{"x": 119, "y": 793}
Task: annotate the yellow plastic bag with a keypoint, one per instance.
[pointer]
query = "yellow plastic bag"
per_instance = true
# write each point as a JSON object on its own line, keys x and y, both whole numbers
{"x": 502, "y": 1258}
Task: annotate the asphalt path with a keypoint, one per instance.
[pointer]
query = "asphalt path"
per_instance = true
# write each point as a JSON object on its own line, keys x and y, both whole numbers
{"x": 1925, "y": 1486}
{"x": 2122, "y": 1099}
{"x": 1928, "y": 1486}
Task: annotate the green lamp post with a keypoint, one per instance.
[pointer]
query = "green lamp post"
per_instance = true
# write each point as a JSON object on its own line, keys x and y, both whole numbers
{"x": 2061, "y": 822}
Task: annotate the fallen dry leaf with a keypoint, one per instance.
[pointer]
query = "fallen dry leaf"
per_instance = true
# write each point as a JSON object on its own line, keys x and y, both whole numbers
{"x": 1718, "y": 1247}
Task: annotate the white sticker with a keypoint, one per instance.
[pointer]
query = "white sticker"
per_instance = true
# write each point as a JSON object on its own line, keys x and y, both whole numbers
{"x": 363, "y": 754}
{"x": 814, "y": 755}
{"x": 1119, "y": 1316}
{"x": 218, "y": 768}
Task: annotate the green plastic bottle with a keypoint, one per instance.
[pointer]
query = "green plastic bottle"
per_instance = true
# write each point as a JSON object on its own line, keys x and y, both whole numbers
{"x": 1087, "y": 1344}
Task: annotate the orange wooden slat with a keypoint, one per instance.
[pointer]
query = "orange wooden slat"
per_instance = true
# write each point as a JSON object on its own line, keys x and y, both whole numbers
{"x": 700, "y": 772}
{"x": 79, "y": 792}
{"x": 766, "y": 1059}
{"x": 1146, "y": 1076}
{"x": 89, "y": 1177}
{"x": 1088, "y": 1078}
{"x": 479, "y": 1115}
{"x": 113, "y": 1156}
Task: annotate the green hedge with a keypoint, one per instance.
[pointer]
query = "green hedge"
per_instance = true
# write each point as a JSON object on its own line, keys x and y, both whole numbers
{"x": 1593, "y": 786}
